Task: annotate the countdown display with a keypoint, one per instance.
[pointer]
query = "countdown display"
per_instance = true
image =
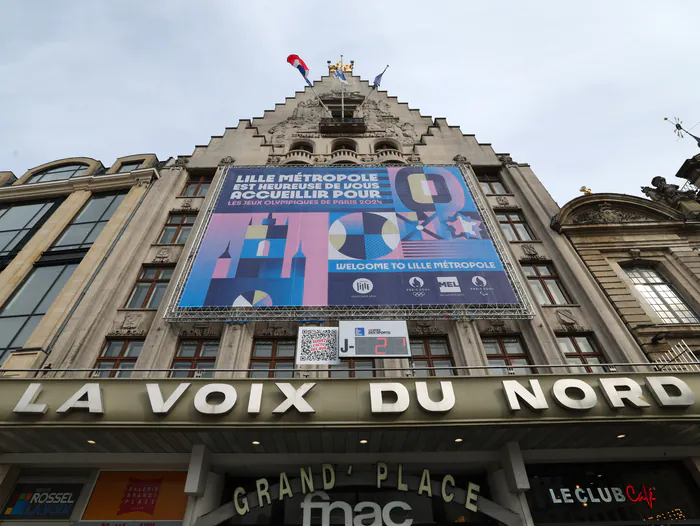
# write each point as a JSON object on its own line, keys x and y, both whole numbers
{"x": 374, "y": 339}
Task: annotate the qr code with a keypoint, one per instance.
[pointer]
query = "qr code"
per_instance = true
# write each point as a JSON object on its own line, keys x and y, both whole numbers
{"x": 318, "y": 346}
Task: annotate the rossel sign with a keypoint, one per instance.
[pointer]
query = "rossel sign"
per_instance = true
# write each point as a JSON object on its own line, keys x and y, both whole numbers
{"x": 38, "y": 501}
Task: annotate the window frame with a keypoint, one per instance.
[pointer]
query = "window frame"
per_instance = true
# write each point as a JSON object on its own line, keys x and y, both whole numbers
{"x": 115, "y": 371}
{"x": 429, "y": 357}
{"x": 512, "y": 225}
{"x": 77, "y": 167}
{"x": 506, "y": 356}
{"x": 273, "y": 359}
{"x": 349, "y": 365}
{"x": 6, "y": 258}
{"x": 178, "y": 228}
{"x": 197, "y": 359}
{"x": 488, "y": 180}
{"x": 542, "y": 280}
{"x": 670, "y": 310}
{"x": 155, "y": 281}
{"x": 571, "y": 336}
{"x": 136, "y": 165}
{"x": 197, "y": 181}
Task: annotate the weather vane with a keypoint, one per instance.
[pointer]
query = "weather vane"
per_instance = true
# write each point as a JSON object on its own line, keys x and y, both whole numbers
{"x": 679, "y": 131}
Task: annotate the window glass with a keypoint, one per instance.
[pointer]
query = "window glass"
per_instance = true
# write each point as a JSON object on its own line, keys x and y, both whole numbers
{"x": 83, "y": 230}
{"x": 661, "y": 296}
{"x": 58, "y": 173}
{"x": 276, "y": 355}
{"x": 433, "y": 353}
{"x": 129, "y": 166}
{"x": 150, "y": 288}
{"x": 17, "y": 222}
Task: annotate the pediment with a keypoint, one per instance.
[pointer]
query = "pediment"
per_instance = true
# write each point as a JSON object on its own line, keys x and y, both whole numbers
{"x": 602, "y": 209}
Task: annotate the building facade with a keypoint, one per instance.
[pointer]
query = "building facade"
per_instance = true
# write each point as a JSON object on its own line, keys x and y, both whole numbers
{"x": 115, "y": 412}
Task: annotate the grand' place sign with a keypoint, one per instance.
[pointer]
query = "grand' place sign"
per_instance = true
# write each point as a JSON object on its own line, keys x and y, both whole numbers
{"x": 467, "y": 396}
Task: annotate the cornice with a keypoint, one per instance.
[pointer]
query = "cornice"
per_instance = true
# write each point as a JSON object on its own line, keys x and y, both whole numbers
{"x": 92, "y": 183}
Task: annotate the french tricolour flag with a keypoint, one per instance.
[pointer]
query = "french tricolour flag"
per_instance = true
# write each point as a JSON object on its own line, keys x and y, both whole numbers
{"x": 296, "y": 61}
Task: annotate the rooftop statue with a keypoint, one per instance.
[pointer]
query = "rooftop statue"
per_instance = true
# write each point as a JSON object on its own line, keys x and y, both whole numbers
{"x": 670, "y": 194}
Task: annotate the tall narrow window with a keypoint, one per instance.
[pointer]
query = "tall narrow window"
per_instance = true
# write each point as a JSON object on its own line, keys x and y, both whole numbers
{"x": 353, "y": 368}
{"x": 545, "y": 285}
{"x": 197, "y": 186}
{"x": 177, "y": 229}
{"x": 59, "y": 173}
{"x": 513, "y": 226}
{"x": 660, "y": 295}
{"x": 117, "y": 359}
{"x": 150, "y": 288}
{"x": 272, "y": 359}
{"x": 27, "y": 306}
{"x": 196, "y": 358}
{"x": 83, "y": 230}
{"x": 431, "y": 357}
{"x": 492, "y": 185}
{"x": 18, "y": 222}
{"x": 506, "y": 351}
{"x": 581, "y": 349}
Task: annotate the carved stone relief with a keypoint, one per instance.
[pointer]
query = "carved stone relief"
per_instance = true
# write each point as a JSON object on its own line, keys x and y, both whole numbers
{"x": 460, "y": 159}
{"x": 423, "y": 328}
{"x": 635, "y": 253}
{"x": 203, "y": 331}
{"x": 186, "y": 204}
{"x": 530, "y": 252}
{"x": 182, "y": 161}
{"x": 506, "y": 159}
{"x": 130, "y": 324}
{"x": 605, "y": 213}
{"x": 498, "y": 327}
{"x": 131, "y": 321}
{"x": 502, "y": 200}
{"x": 227, "y": 160}
{"x": 162, "y": 255}
{"x": 568, "y": 321}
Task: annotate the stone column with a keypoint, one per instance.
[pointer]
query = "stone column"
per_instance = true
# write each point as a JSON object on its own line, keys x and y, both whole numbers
{"x": 234, "y": 350}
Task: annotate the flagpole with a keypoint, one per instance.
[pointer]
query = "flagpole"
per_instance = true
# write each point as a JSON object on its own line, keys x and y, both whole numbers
{"x": 342, "y": 92}
{"x": 374, "y": 86}
{"x": 319, "y": 100}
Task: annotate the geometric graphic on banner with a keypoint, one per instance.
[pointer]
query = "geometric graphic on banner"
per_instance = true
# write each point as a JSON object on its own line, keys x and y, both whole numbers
{"x": 363, "y": 235}
{"x": 317, "y": 346}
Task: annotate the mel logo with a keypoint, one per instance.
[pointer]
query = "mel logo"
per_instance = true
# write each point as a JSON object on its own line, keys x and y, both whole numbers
{"x": 363, "y": 286}
{"x": 449, "y": 284}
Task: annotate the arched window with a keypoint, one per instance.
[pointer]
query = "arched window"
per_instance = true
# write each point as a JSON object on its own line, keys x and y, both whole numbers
{"x": 344, "y": 144}
{"x": 386, "y": 145}
{"x": 302, "y": 145}
{"x": 263, "y": 248}
{"x": 59, "y": 173}
{"x": 660, "y": 295}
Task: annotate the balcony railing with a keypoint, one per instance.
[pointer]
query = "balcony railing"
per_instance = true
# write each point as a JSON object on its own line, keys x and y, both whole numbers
{"x": 343, "y": 125}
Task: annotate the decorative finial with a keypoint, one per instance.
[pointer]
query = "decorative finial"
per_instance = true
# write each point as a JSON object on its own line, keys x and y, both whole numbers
{"x": 585, "y": 190}
{"x": 679, "y": 130}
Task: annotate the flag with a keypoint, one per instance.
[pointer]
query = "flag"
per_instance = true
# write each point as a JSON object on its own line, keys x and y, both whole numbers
{"x": 340, "y": 76}
{"x": 378, "y": 79}
{"x": 296, "y": 61}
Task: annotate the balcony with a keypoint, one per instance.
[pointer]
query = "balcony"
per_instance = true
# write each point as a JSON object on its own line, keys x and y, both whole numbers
{"x": 342, "y": 126}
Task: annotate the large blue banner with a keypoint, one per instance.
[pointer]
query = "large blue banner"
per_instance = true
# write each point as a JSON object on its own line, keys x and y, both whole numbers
{"x": 346, "y": 236}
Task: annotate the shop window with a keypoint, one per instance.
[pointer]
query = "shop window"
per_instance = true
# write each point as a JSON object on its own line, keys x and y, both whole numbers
{"x": 353, "y": 368}
{"x": 660, "y": 295}
{"x": 505, "y": 351}
{"x": 117, "y": 359}
{"x": 492, "y": 185}
{"x": 431, "y": 357}
{"x": 59, "y": 173}
{"x": 275, "y": 355}
{"x": 197, "y": 186}
{"x": 150, "y": 288}
{"x": 83, "y": 230}
{"x": 18, "y": 223}
{"x": 177, "y": 229}
{"x": 129, "y": 166}
{"x": 545, "y": 285}
{"x": 513, "y": 226}
{"x": 27, "y": 306}
{"x": 582, "y": 350}
{"x": 196, "y": 358}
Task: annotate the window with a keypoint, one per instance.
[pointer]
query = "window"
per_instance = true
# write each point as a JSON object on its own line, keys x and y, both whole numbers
{"x": 117, "y": 359}
{"x": 353, "y": 368}
{"x": 129, "y": 166}
{"x": 177, "y": 229}
{"x": 303, "y": 146}
{"x": 197, "y": 186}
{"x": 195, "y": 354}
{"x": 83, "y": 230}
{"x": 581, "y": 350}
{"x": 277, "y": 355}
{"x": 27, "y": 306}
{"x": 431, "y": 357}
{"x": 384, "y": 146}
{"x": 491, "y": 185}
{"x": 505, "y": 351}
{"x": 513, "y": 226}
{"x": 545, "y": 285}
{"x": 344, "y": 144}
{"x": 150, "y": 288}
{"x": 660, "y": 295}
{"x": 59, "y": 173}
{"x": 18, "y": 222}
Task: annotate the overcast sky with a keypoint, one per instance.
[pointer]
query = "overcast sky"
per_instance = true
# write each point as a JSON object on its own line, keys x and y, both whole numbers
{"x": 578, "y": 90}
